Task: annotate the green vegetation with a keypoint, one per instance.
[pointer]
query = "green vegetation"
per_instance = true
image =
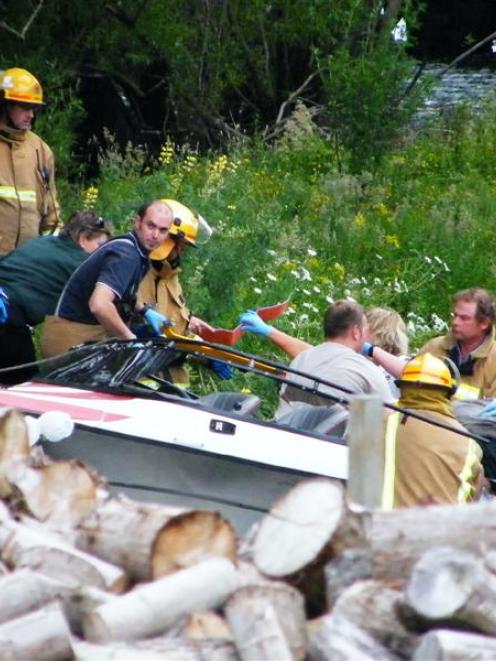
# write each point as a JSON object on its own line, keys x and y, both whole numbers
{"x": 289, "y": 224}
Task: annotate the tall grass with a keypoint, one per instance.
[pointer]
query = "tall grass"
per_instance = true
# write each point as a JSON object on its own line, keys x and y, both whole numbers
{"x": 288, "y": 224}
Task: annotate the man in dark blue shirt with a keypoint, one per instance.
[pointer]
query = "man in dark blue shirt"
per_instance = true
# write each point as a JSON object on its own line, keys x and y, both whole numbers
{"x": 100, "y": 296}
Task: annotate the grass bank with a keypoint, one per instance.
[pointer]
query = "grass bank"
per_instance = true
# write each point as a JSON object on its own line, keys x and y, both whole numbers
{"x": 289, "y": 223}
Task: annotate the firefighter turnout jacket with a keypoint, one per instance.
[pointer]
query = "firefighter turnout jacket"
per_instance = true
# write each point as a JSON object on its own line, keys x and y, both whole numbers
{"x": 427, "y": 464}
{"x": 28, "y": 198}
{"x": 162, "y": 289}
{"x": 481, "y": 379}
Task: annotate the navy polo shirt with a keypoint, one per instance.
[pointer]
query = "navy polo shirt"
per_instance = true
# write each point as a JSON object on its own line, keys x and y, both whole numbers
{"x": 120, "y": 264}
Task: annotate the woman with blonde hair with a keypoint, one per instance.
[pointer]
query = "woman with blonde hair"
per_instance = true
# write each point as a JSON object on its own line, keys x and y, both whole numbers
{"x": 388, "y": 330}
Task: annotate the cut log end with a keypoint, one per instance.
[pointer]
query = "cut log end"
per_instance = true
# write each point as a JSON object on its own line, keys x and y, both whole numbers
{"x": 300, "y": 524}
{"x": 190, "y": 538}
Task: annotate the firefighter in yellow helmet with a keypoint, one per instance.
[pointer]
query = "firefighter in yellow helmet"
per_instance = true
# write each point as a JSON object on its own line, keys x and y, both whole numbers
{"x": 426, "y": 464}
{"x": 28, "y": 198}
{"x": 162, "y": 288}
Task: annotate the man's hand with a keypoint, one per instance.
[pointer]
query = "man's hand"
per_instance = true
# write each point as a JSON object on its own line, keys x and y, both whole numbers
{"x": 251, "y": 322}
{"x": 156, "y": 321}
{"x": 4, "y": 307}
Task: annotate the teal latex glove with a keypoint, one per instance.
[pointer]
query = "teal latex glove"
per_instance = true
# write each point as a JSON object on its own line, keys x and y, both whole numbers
{"x": 156, "y": 321}
{"x": 251, "y": 322}
{"x": 489, "y": 410}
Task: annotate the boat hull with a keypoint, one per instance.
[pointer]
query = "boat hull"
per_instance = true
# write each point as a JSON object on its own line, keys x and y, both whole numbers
{"x": 150, "y": 471}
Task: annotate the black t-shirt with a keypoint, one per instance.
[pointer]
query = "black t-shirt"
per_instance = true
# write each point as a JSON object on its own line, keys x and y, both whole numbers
{"x": 120, "y": 264}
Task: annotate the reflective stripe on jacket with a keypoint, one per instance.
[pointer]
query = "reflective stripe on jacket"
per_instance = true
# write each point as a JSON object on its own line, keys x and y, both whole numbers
{"x": 427, "y": 464}
{"x": 28, "y": 203}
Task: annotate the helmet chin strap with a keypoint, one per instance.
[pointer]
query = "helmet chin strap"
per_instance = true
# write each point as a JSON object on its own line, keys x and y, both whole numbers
{"x": 8, "y": 119}
{"x": 175, "y": 261}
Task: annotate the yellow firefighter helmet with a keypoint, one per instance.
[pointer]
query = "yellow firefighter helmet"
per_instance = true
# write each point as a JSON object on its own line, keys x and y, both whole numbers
{"x": 188, "y": 226}
{"x": 19, "y": 86}
{"x": 427, "y": 370}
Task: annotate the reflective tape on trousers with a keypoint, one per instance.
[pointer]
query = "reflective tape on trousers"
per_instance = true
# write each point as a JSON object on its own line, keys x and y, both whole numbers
{"x": 11, "y": 193}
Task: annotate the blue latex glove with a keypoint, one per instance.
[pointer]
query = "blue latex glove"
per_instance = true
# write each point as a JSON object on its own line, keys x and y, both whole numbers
{"x": 4, "y": 307}
{"x": 489, "y": 410}
{"x": 251, "y": 322}
{"x": 366, "y": 349}
{"x": 156, "y": 321}
{"x": 222, "y": 370}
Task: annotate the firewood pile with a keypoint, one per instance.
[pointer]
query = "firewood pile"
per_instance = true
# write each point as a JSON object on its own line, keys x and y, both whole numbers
{"x": 88, "y": 575}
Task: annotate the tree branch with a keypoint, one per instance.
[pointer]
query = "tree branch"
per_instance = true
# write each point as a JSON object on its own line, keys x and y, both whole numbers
{"x": 119, "y": 12}
{"x": 22, "y": 33}
{"x": 292, "y": 97}
{"x": 466, "y": 53}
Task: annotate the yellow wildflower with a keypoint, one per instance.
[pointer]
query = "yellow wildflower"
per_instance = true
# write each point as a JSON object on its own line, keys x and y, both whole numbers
{"x": 359, "y": 220}
{"x": 90, "y": 196}
{"x": 166, "y": 153}
{"x": 339, "y": 270}
{"x": 382, "y": 209}
{"x": 392, "y": 240}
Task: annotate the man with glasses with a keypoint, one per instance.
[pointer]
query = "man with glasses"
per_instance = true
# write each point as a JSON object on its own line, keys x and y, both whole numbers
{"x": 28, "y": 198}
{"x": 32, "y": 278}
{"x": 471, "y": 343}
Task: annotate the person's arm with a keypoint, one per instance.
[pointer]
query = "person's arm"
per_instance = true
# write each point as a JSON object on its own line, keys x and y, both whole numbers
{"x": 197, "y": 325}
{"x": 102, "y": 306}
{"x": 392, "y": 364}
{"x": 292, "y": 346}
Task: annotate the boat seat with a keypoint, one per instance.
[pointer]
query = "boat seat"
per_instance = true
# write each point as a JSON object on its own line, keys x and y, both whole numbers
{"x": 316, "y": 419}
{"x": 232, "y": 402}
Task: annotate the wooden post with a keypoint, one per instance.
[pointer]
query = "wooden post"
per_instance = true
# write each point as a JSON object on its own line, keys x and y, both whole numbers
{"x": 366, "y": 451}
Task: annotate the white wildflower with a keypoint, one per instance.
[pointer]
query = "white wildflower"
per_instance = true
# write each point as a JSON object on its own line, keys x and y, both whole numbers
{"x": 311, "y": 252}
{"x": 257, "y": 290}
{"x": 271, "y": 277}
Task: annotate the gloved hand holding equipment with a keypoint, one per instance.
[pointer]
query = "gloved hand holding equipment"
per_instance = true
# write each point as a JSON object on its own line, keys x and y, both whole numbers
{"x": 156, "y": 320}
{"x": 251, "y": 322}
{"x": 4, "y": 307}
{"x": 222, "y": 370}
{"x": 489, "y": 410}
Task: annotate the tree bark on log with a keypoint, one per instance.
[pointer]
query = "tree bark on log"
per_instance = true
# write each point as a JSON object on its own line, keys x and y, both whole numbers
{"x": 351, "y": 566}
{"x": 312, "y": 523}
{"x": 21, "y": 546}
{"x": 375, "y": 608}
{"x": 267, "y": 622}
{"x": 305, "y": 523}
{"x": 156, "y": 648}
{"x": 24, "y": 591}
{"x": 150, "y": 541}
{"x": 42, "y": 634}
{"x": 446, "y": 645}
{"x": 14, "y": 446}
{"x": 206, "y": 625}
{"x": 455, "y": 588}
{"x": 60, "y": 494}
{"x": 398, "y": 538}
{"x": 150, "y": 609}
{"x": 335, "y": 639}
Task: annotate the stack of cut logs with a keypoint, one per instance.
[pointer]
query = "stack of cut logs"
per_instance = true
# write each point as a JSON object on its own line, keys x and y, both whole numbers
{"x": 87, "y": 575}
